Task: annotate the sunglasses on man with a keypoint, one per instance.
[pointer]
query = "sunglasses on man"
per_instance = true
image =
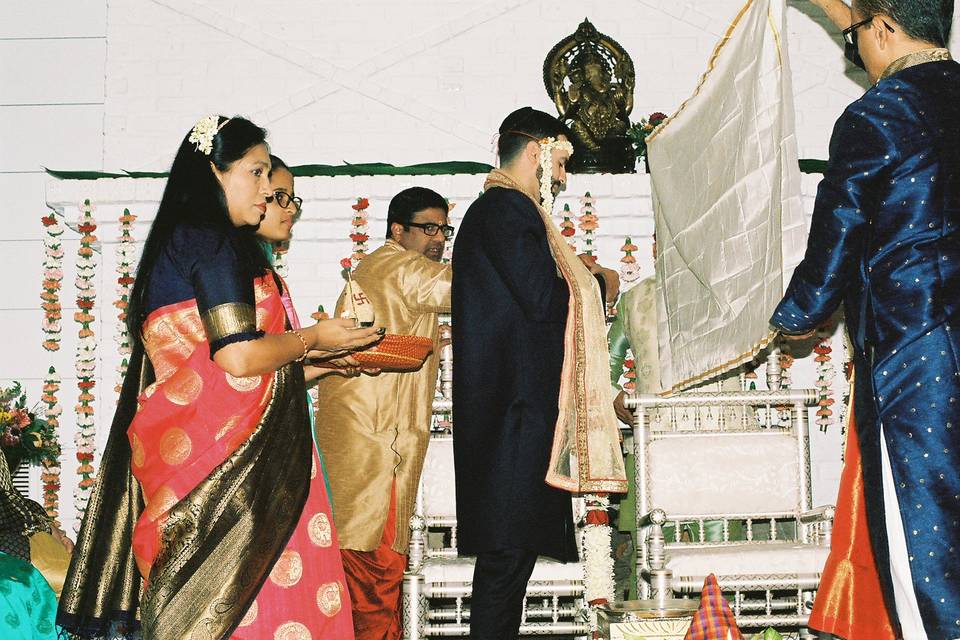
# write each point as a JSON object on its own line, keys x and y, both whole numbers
{"x": 850, "y": 50}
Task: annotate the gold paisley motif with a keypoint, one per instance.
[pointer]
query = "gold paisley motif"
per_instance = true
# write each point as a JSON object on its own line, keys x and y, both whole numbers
{"x": 244, "y": 385}
{"x": 175, "y": 446}
{"x": 228, "y": 426}
{"x": 250, "y": 615}
{"x": 329, "y": 600}
{"x": 137, "y": 451}
{"x": 161, "y": 501}
{"x": 319, "y": 530}
{"x": 292, "y": 631}
{"x": 288, "y": 570}
{"x": 183, "y": 387}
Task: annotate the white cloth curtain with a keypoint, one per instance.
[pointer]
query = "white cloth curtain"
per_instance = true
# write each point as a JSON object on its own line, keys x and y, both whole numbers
{"x": 726, "y": 190}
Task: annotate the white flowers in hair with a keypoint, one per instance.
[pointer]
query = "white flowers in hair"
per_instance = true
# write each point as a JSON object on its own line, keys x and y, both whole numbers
{"x": 547, "y": 145}
{"x": 202, "y": 134}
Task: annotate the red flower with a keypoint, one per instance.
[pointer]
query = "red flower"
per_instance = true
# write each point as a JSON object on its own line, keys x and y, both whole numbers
{"x": 346, "y": 263}
{"x": 359, "y": 237}
{"x": 48, "y": 221}
{"x": 87, "y": 227}
{"x": 362, "y": 203}
{"x": 656, "y": 118}
{"x": 568, "y": 231}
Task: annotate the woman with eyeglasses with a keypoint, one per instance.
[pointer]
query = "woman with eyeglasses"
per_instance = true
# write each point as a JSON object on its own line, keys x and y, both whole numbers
{"x": 209, "y": 506}
{"x": 885, "y": 244}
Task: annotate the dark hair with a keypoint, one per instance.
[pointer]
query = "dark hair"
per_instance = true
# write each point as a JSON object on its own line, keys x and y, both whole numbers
{"x": 405, "y": 204}
{"x": 526, "y": 120}
{"x": 193, "y": 196}
{"x": 924, "y": 20}
{"x": 277, "y": 163}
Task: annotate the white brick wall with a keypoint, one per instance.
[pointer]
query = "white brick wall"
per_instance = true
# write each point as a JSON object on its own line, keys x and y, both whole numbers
{"x": 87, "y": 86}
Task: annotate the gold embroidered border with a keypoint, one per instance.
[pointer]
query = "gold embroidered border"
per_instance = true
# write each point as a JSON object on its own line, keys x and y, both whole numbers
{"x": 913, "y": 59}
{"x": 229, "y": 319}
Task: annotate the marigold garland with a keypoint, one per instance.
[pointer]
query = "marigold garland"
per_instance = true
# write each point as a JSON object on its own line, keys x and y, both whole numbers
{"x": 825, "y": 373}
{"x": 588, "y": 223}
{"x": 52, "y": 281}
{"x": 358, "y": 234}
{"x": 567, "y": 228}
{"x": 86, "y": 358}
{"x": 598, "y": 582}
{"x": 126, "y": 264}
{"x": 629, "y": 269}
{"x": 50, "y": 475}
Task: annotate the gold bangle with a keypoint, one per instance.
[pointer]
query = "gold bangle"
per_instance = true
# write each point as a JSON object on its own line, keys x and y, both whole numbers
{"x": 302, "y": 340}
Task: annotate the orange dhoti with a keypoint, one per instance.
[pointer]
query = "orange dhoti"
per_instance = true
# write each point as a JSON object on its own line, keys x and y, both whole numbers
{"x": 849, "y": 602}
{"x": 375, "y": 580}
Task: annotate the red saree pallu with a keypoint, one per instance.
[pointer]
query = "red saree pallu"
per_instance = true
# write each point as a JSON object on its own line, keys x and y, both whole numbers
{"x": 256, "y": 561}
{"x": 849, "y": 602}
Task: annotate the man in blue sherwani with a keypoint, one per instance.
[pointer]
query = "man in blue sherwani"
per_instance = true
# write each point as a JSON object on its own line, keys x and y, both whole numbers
{"x": 885, "y": 242}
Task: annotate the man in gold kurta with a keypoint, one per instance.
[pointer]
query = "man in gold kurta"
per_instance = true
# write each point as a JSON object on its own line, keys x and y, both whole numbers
{"x": 374, "y": 430}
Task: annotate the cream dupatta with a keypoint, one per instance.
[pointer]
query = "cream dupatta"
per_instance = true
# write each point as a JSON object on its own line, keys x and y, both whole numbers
{"x": 585, "y": 457}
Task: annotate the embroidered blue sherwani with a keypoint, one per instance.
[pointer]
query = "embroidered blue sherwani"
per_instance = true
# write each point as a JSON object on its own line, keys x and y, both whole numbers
{"x": 885, "y": 242}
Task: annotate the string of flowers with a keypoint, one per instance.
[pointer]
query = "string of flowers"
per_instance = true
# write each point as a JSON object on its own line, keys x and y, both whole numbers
{"x": 86, "y": 358}
{"x": 547, "y": 145}
{"x": 358, "y": 234}
{"x": 126, "y": 257}
{"x": 567, "y": 228}
{"x": 588, "y": 223}
{"x": 786, "y": 379}
{"x": 597, "y": 560}
{"x": 629, "y": 373}
{"x": 448, "y": 247}
{"x": 629, "y": 269}
{"x": 50, "y": 475}
{"x": 825, "y": 373}
{"x": 845, "y": 398}
{"x": 280, "y": 259}
{"x": 52, "y": 277}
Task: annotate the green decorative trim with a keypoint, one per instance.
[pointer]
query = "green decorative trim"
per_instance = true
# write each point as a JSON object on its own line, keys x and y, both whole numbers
{"x": 364, "y": 169}
{"x": 809, "y": 165}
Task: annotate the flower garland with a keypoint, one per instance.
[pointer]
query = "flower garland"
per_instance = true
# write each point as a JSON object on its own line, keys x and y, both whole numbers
{"x": 358, "y": 234}
{"x": 280, "y": 259}
{"x": 588, "y": 222}
{"x": 448, "y": 246}
{"x": 50, "y": 476}
{"x": 630, "y": 270}
{"x": 52, "y": 277}
{"x": 598, "y": 580}
{"x": 629, "y": 373}
{"x": 786, "y": 380}
{"x": 845, "y": 399}
{"x": 825, "y": 373}
{"x": 567, "y": 228}
{"x": 126, "y": 258}
{"x": 547, "y": 145}
{"x": 86, "y": 358}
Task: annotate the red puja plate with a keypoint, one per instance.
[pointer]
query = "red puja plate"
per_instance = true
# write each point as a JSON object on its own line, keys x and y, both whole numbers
{"x": 393, "y": 353}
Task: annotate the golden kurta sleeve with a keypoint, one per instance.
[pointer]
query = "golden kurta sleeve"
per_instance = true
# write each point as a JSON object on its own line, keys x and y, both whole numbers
{"x": 425, "y": 285}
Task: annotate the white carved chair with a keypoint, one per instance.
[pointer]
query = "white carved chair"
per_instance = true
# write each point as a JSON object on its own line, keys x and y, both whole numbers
{"x": 438, "y": 583}
{"x": 735, "y": 464}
